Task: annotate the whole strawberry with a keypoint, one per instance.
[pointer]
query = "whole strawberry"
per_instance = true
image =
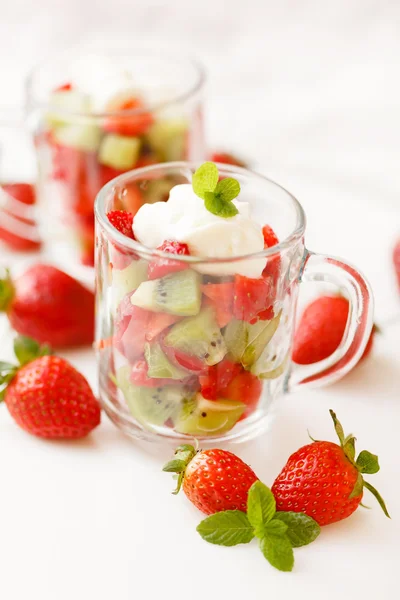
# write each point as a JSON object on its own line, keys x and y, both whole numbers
{"x": 50, "y": 306}
{"x": 396, "y": 261}
{"x": 325, "y": 481}
{"x": 213, "y": 480}
{"x": 46, "y": 395}
{"x": 321, "y": 329}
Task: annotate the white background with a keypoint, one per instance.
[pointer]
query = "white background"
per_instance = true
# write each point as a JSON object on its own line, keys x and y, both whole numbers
{"x": 309, "y": 92}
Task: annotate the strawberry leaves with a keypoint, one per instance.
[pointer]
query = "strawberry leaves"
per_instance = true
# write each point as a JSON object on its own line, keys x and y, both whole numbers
{"x": 366, "y": 463}
{"x": 278, "y": 533}
{"x": 217, "y": 195}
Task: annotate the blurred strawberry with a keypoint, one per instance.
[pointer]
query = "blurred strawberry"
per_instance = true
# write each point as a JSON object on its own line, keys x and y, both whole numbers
{"x": 396, "y": 261}
{"x": 17, "y": 228}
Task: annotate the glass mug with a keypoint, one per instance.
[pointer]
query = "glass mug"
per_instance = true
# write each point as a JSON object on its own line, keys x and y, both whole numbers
{"x": 80, "y": 150}
{"x": 181, "y": 356}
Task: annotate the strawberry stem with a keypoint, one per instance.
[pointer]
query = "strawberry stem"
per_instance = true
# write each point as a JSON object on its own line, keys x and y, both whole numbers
{"x": 379, "y": 498}
{"x": 178, "y": 465}
{"x": 7, "y": 292}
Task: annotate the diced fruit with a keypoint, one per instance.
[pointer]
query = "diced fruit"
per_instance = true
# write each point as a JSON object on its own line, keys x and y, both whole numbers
{"x": 139, "y": 376}
{"x": 246, "y": 388}
{"x": 125, "y": 281}
{"x": 152, "y": 406}
{"x": 158, "y": 364}
{"x": 168, "y": 138}
{"x": 198, "y": 336}
{"x": 272, "y": 362}
{"x": 217, "y": 378}
{"x": 130, "y": 332}
{"x": 246, "y": 341}
{"x": 193, "y": 364}
{"x": 220, "y": 296}
{"x": 251, "y": 297}
{"x": 79, "y": 137}
{"x": 119, "y": 152}
{"x": 132, "y": 198}
{"x": 227, "y": 159}
{"x": 176, "y": 294}
{"x": 270, "y": 237}
{"x": 129, "y": 124}
{"x": 122, "y": 220}
{"x": 208, "y": 417}
{"x": 157, "y": 323}
{"x": 64, "y": 101}
{"x": 163, "y": 266}
{"x": 273, "y": 266}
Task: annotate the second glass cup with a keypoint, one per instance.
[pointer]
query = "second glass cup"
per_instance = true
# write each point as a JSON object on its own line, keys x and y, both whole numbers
{"x": 100, "y": 114}
{"x": 195, "y": 346}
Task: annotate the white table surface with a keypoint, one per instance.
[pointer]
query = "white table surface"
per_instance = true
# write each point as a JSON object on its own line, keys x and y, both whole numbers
{"x": 309, "y": 92}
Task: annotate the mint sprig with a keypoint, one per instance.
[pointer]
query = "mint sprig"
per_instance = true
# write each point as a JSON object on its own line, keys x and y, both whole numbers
{"x": 278, "y": 532}
{"x": 217, "y": 195}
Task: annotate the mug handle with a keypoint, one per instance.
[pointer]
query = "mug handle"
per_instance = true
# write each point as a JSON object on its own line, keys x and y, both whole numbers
{"x": 319, "y": 267}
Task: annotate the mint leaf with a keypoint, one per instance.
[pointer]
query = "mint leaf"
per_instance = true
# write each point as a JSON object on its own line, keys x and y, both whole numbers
{"x": 261, "y": 507}
{"x": 226, "y": 528}
{"x": 301, "y": 529}
{"x": 215, "y": 205}
{"x": 227, "y": 189}
{"x": 276, "y": 527}
{"x": 367, "y": 462}
{"x": 205, "y": 179}
{"x": 278, "y": 551}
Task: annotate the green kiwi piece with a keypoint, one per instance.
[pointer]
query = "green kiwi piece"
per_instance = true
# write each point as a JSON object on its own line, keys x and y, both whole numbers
{"x": 119, "y": 152}
{"x": 152, "y": 406}
{"x": 127, "y": 280}
{"x": 168, "y": 139}
{"x": 158, "y": 364}
{"x": 175, "y": 294}
{"x": 208, "y": 417}
{"x": 64, "y": 102}
{"x": 198, "y": 336}
{"x": 83, "y": 137}
{"x": 246, "y": 341}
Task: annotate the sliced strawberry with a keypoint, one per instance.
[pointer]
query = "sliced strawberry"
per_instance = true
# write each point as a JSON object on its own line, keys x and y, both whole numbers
{"x": 132, "y": 124}
{"x": 122, "y": 220}
{"x": 190, "y": 363}
{"x": 220, "y": 297}
{"x": 246, "y": 388}
{"x": 217, "y": 379}
{"x": 252, "y": 296}
{"x": 163, "y": 266}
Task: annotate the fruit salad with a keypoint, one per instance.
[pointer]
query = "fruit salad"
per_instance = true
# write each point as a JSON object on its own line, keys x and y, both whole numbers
{"x": 196, "y": 344}
{"x": 95, "y": 129}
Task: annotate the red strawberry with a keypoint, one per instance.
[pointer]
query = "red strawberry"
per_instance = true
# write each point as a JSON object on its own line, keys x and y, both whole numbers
{"x": 136, "y": 121}
{"x": 123, "y": 221}
{"x": 252, "y": 296}
{"x": 270, "y": 237}
{"x": 139, "y": 376}
{"x": 163, "y": 266}
{"x": 246, "y": 388}
{"x": 321, "y": 330}
{"x": 65, "y": 87}
{"x": 396, "y": 261}
{"x": 227, "y": 159}
{"x": 325, "y": 481}
{"x": 213, "y": 480}
{"x": 216, "y": 380}
{"x": 50, "y": 306}
{"x": 220, "y": 297}
{"x": 273, "y": 267}
{"x": 46, "y": 395}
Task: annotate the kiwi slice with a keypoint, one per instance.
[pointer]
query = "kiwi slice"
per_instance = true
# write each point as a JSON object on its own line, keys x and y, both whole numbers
{"x": 70, "y": 101}
{"x": 208, "y": 417}
{"x": 119, "y": 152}
{"x": 246, "y": 341}
{"x": 127, "y": 280}
{"x": 176, "y": 294}
{"x": 152, "y": 406}
{"x": 158, "y": 364}
{"x": 81, "y": 137}
{"x": 168, "y": 139}
{"x": 198, "y": 336}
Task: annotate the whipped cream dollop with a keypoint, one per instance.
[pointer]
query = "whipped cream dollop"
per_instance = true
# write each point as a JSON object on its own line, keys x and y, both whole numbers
{"x": 185, "y": 218}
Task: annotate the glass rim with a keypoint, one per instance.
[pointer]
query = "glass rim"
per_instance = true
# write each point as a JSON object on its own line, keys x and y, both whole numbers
{"x": 146, "y": 252}
{"x": 152, "y": 107}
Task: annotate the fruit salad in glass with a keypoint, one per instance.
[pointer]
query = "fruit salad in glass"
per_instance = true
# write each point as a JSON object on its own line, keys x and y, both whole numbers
{"x": 98, "y": 115}
{"x": 196, "y": 301}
